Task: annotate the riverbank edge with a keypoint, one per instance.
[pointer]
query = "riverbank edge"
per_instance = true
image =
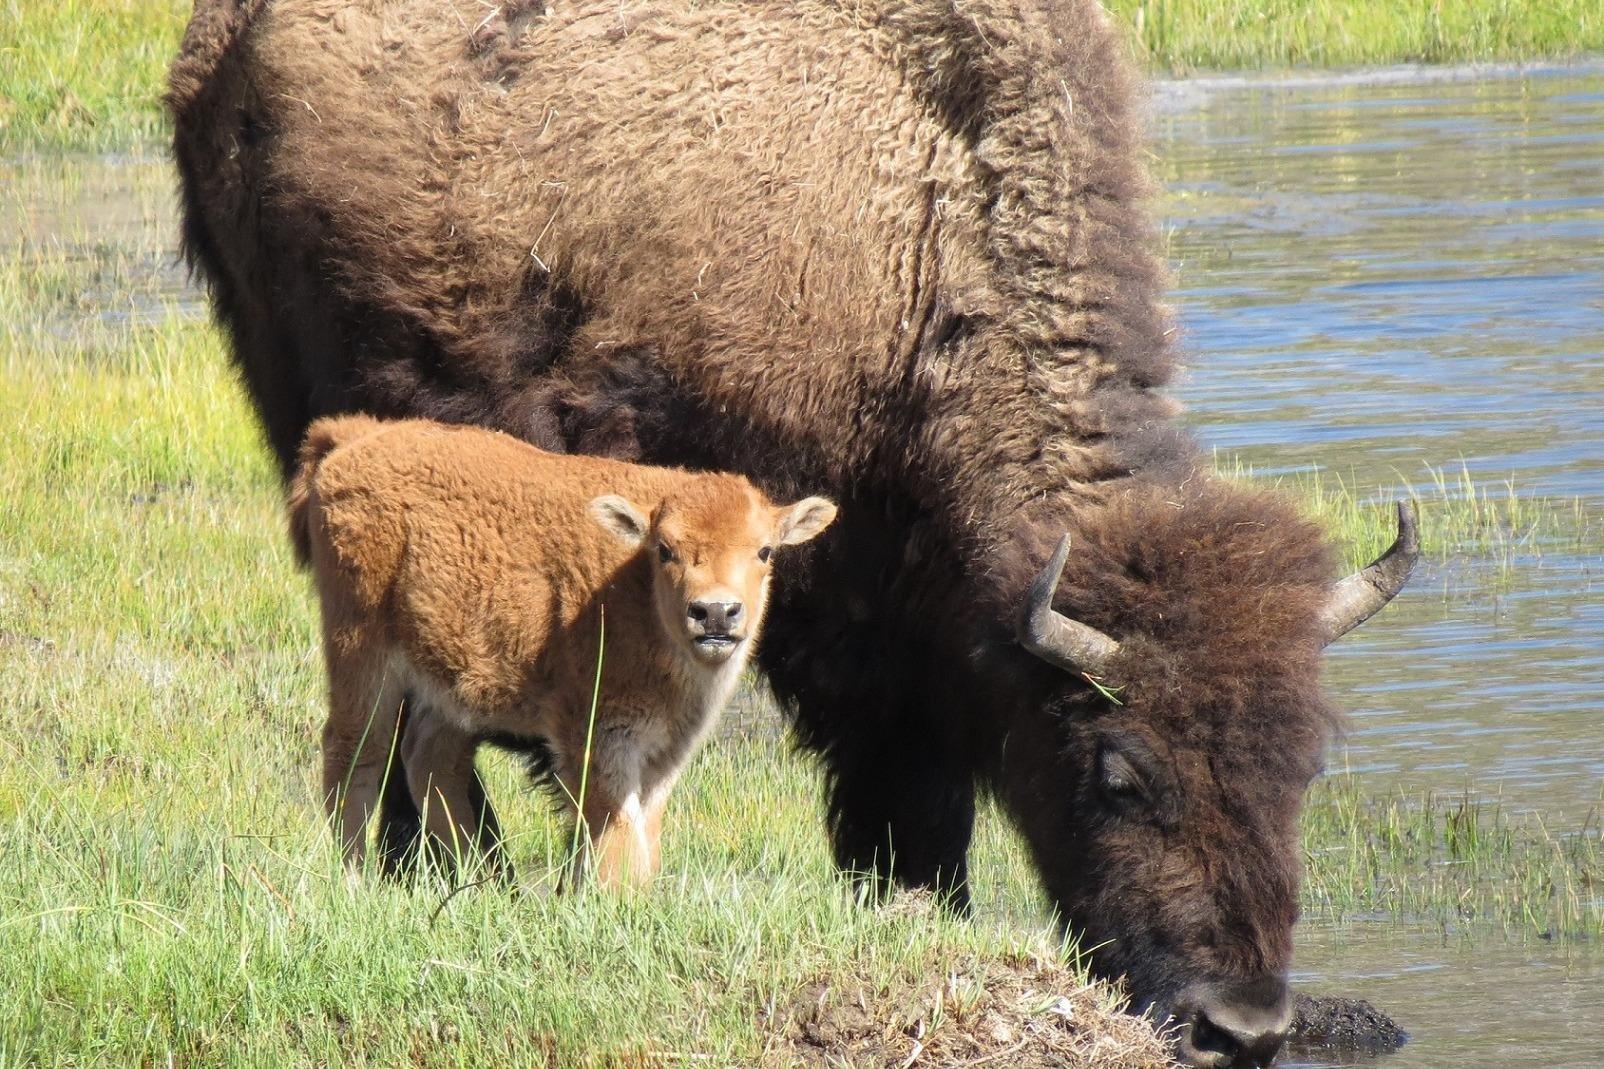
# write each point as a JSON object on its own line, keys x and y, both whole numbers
{"x": 1168, "y": 94}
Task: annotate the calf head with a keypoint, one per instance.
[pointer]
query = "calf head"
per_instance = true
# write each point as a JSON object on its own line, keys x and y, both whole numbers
{"x": 710, "y": 546}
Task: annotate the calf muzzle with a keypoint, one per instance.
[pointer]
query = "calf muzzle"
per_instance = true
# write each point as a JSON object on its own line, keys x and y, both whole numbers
{"x": 714, "y": 618}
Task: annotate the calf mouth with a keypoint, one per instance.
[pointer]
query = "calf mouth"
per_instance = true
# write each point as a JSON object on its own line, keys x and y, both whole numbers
{"x": 715, "y": 647}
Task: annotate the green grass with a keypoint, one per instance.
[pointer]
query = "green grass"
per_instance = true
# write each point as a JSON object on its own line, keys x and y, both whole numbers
{"x": 1182, "y": 36}
{"x": 167, "y": 886}
{"x": 166, "y": 883}
{"x": 88, "y": 75}
{"x": 85, "y": 74}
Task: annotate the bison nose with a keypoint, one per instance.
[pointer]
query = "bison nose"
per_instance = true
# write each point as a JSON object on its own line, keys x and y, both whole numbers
{"x": 1233, "y": 1025}
{"x": 715, "y": 617}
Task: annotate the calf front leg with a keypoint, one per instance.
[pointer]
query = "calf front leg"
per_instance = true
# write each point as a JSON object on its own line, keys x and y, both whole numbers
{"x": 625, "y": 839}
{"x": 620, "y": 809}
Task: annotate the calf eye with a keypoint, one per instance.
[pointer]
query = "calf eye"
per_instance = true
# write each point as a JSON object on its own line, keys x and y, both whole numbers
{"x": 765, "y": 553}
{"x": 664, "y": 553}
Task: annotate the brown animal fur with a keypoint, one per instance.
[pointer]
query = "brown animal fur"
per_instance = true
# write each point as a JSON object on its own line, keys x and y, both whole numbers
{"x": 470, "y": 566}
{"x": 896, "y": 250}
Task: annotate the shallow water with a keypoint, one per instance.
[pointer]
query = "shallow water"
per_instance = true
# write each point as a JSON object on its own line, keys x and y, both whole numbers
{"x": 1375, "y": 278}
{"x": 1465, "y": 1002}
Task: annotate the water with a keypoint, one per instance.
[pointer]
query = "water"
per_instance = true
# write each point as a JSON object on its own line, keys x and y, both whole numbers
{"x": 1373, "y": 277}
{"x": 99, "y": 237}
{"x": 1379, "y": 277}
{"x": 1466, "y": 1002}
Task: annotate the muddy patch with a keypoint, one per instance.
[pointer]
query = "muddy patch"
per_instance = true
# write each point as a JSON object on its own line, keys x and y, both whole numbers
{"x": 1328, "y": 1023}
{"x": 1021, "y": 1012}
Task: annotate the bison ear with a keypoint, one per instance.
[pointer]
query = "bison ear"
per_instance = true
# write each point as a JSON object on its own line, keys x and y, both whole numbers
{"x": 803, "y": 520}
{"x": 620, "y": 517}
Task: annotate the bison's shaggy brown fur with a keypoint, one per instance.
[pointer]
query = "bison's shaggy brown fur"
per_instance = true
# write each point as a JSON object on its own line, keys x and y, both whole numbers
{"x": 896, "y": 250}
{"x": 467, "y": 565}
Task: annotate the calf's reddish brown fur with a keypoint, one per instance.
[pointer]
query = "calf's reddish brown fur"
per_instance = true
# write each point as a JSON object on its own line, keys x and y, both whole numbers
{"x": 493, "y": 578}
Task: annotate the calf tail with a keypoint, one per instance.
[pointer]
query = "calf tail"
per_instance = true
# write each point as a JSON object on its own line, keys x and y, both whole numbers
{"x": 322, "y": 438}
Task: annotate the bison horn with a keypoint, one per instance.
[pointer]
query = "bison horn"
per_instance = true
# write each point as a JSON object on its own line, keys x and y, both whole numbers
{"x": 1363, "y": 594}
{"x": 1054, "y": 637}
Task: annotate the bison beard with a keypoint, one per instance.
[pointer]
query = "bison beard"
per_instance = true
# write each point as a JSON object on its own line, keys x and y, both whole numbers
{"x": 893, "y": 252}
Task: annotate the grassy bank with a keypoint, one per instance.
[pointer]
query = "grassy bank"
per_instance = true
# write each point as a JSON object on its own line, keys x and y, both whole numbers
{"x": 1183, "y": 36}
{"x": 87, "y": 75}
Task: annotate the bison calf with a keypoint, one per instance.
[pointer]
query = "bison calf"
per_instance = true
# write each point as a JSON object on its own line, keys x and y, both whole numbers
{"x": 480, "y": 574}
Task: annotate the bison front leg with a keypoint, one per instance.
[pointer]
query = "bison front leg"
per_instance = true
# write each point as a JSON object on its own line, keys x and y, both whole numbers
{"x": 901, "y": 815}
{"x": 624, "y": 840}
{"x": 619, "y": 808}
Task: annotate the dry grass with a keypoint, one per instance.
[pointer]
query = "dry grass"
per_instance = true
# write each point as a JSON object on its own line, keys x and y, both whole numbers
{"x": 1021, "y": 1012}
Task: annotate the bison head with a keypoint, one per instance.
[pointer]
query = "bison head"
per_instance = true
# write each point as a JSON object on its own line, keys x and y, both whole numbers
{"x": 1160, "y": 791}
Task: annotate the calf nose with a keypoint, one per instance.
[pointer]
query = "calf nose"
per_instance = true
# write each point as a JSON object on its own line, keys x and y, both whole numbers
{"x": 1233, "y": 1025}
{"x": 715, "y": 617}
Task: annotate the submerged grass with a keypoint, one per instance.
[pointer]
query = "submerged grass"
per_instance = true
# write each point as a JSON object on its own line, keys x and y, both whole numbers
{"x": 88, "y": 75}
{"x": 1449, "y": 860}
{"x": 1458, "y": 516}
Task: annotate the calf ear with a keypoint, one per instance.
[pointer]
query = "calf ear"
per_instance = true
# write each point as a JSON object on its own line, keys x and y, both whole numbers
{"x": 619, "y": 517}
{"x": 803, "y": 520}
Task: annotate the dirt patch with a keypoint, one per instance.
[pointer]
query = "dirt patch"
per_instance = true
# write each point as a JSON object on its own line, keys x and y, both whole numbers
{"x": 1017, "y": 1012}
{"x": 1326, "y": 1022}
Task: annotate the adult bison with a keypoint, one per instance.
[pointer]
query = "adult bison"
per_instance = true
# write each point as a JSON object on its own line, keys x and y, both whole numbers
{"x": 897, "y": 252}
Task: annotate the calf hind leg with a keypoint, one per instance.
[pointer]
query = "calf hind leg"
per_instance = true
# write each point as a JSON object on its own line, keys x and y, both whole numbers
{"x": 358, "y": 739}
{"x": 437, "y": 760}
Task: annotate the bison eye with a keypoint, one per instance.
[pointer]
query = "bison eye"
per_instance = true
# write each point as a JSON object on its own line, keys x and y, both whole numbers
{"x": 664, "y": 552}
{"x": 1118, "y": 779}
{"x": 765, "y": 553}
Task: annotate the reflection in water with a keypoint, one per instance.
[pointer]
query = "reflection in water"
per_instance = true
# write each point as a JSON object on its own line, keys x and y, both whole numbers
{"x": 1466, "y": 1002}
{"x": 1378, "y": 278}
